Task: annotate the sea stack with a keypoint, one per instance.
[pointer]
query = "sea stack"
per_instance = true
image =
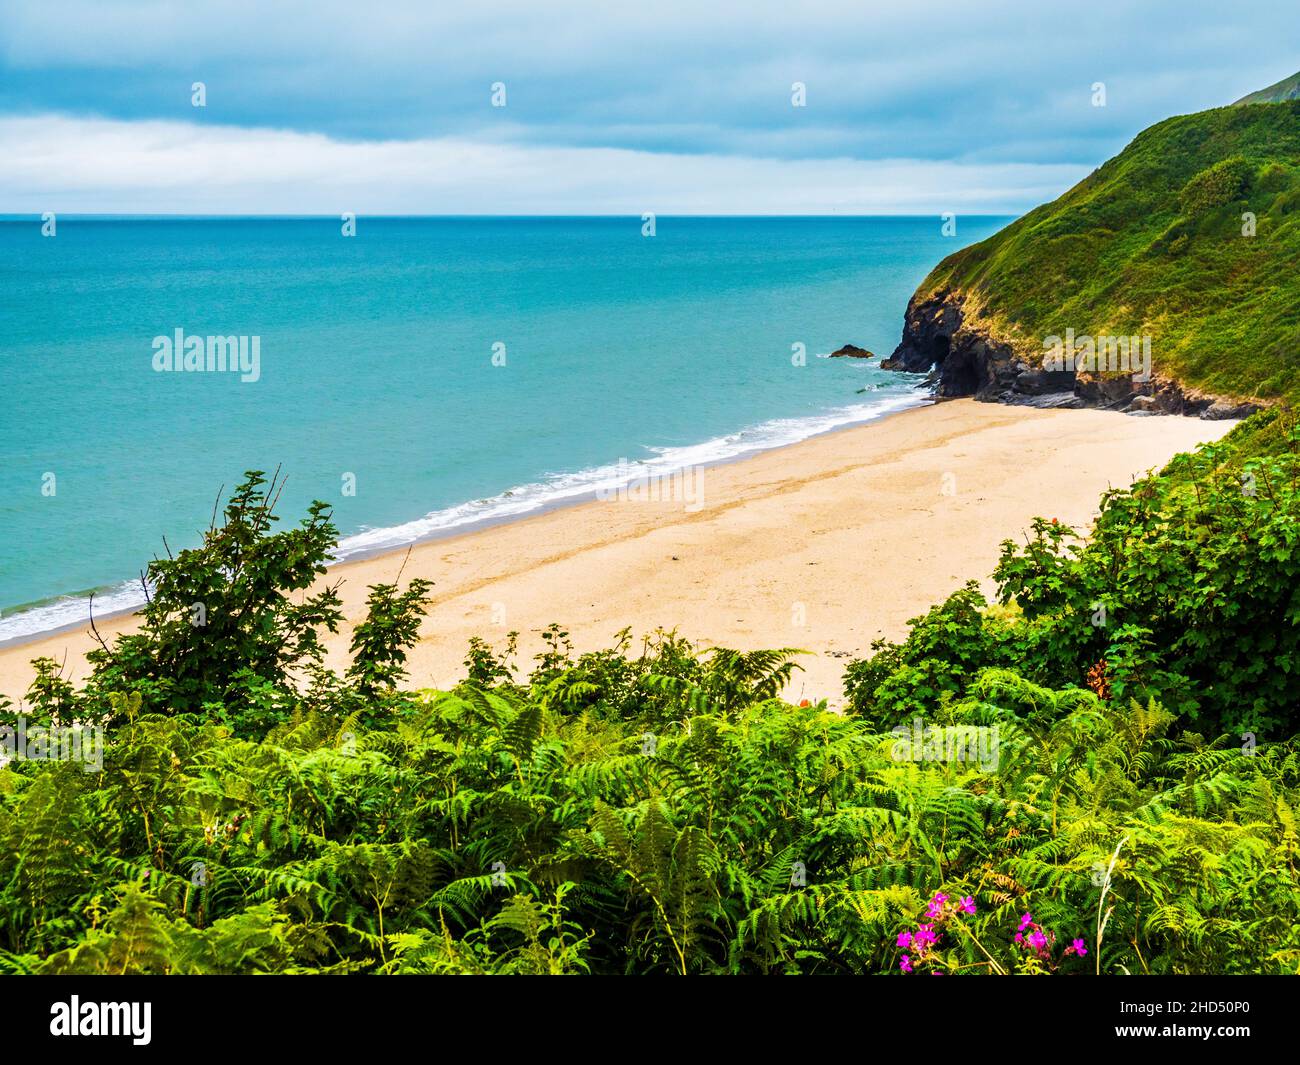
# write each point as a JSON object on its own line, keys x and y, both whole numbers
{"x": 852, "y": 351}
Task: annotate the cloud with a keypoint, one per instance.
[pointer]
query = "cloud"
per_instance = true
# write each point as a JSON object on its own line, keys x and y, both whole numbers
{"x": 933, "y": 79}
{"x": 679, "y": 106}
{"x": 70, "y": 165}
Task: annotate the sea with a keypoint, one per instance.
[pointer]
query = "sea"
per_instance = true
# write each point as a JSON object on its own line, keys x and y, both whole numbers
{"x": 421, "y": 375}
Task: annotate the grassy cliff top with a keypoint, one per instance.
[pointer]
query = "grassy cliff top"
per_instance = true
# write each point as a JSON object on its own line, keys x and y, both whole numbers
{"x": 1286, "y": 89}
{"x": 1154, "y": 243}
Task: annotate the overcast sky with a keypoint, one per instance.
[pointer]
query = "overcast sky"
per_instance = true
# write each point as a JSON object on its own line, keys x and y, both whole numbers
{"x": 912, "y": 106}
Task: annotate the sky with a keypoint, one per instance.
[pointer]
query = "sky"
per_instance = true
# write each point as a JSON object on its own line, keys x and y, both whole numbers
{"x": 908, "y": 107}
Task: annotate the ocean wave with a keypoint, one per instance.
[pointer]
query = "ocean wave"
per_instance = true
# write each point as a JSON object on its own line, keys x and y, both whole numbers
{"x": 68, "y": 611}
{"x": 572, "y": 487}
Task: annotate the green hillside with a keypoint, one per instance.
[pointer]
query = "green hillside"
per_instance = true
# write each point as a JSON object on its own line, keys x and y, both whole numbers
{"x": 1157, "y": 242}
{"x": 1286, "y": 89}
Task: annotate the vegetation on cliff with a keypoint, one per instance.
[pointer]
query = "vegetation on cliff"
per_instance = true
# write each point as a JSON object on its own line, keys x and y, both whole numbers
{"x": 1189, "y": 236}
{"x": 1278, "y": 92}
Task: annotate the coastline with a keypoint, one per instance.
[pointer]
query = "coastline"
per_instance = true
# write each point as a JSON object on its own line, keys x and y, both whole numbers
{"x": 823, "y": 544}
{"x": 592, "y": 483}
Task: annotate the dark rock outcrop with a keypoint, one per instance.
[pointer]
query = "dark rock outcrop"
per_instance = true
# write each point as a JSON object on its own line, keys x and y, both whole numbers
{"x": 852, "y": 351}
{"x": 968, "y": 363}
{"x": 963, "y": 360}
{"x": 1046, "y": 401}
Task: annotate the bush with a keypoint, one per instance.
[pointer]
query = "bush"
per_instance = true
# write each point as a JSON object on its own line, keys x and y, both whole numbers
{"x": 1222, "y": 183}
{"x": 1188, "y": 591}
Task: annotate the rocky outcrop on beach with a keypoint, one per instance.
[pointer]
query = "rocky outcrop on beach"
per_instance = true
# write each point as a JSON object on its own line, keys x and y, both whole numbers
{"x": 963, "y": 359}
{"x": 852, "y": 351}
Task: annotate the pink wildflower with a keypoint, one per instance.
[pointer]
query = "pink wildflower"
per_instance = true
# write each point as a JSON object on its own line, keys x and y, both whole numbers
{"x": 936, "y": 906}
{"x": 905, "y": 963}
{"x": 967, "y": 905}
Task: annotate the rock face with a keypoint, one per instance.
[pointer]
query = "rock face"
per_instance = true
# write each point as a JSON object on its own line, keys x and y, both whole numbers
{"x": 965, "y": 361}
{"x": 852, "y": 351}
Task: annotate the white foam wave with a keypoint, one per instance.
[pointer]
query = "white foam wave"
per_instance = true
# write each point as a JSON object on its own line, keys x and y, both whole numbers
{"x": 69, "y": 610}
{"x": 570, "y": 487}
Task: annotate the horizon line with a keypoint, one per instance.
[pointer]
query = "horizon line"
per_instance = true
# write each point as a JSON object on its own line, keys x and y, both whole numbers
{"x": 32, "y": 216}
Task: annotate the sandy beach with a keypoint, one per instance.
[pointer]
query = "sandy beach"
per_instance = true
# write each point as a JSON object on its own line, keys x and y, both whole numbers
{"x": 824, "y": 545}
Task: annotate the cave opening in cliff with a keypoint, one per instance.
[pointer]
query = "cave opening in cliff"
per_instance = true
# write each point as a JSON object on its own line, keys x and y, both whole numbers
{"x": 940, "y": 353}
{"x": 960, "y": 376}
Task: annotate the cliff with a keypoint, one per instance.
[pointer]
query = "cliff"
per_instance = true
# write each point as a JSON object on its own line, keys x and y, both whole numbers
{"x": 1182, "y": 249}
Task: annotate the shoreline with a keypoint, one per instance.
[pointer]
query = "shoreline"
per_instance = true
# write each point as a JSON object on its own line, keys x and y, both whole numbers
{"x": 825, "y": 543}
{"x": 361, "y": 554}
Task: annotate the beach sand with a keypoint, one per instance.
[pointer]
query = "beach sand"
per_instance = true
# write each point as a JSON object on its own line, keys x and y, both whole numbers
{"x": 823, "y": 545}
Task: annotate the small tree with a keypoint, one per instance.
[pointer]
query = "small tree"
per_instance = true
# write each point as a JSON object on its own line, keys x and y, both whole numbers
{"x": 219, "y": 625}
{"x": 380, "y": 642}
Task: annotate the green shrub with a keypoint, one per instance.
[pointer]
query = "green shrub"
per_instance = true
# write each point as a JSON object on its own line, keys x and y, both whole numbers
{"x": 1222, "y": 183}
{"x": 1187, "y": 591}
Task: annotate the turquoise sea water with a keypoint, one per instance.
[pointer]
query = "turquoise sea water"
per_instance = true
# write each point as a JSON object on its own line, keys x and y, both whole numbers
{"x": 376, "y": 363}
